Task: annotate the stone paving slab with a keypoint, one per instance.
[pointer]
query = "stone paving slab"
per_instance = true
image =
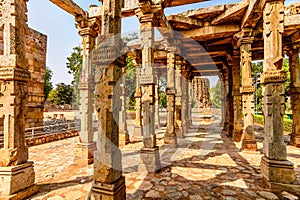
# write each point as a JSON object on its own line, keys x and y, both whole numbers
{"x": 206, "y": 165}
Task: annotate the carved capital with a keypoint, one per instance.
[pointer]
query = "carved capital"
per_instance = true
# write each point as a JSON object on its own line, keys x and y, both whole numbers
{"x": 85, "y": 26}
{"x": 273, "y": 76}
{"x": 247, "y": 89}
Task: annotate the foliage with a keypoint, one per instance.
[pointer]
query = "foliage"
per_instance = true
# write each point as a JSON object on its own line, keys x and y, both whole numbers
{"x": 287, "y": 123}
{"x": 130, "y": 81}
{"x": 131, "y": 36}
{"x": 48, "y": 84}
{"x": 216, "y": 98}
{"x": 63, "y": 94}
{"x": 74, "y": 66}
{"x": 162, "y": 101}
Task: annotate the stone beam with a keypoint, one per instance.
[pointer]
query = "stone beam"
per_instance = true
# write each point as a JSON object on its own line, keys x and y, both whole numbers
{"x": 231, "y": 13}
{"x": 208, "y": 32}
{"x": 186, "y": 21}
{"x": 202, "y": 13}
{"x": 69, "y": 6}
{"x": 172, "y": 3}
{"x": 291, "y": 22}
{"x": 253, "y": 13}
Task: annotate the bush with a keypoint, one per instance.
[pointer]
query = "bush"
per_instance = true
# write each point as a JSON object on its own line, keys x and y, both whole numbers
{"x": 287, "y": 123}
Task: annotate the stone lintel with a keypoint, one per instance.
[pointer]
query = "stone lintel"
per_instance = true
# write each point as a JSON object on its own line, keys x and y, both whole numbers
{"x": 85, "y": 153}
{"x": 247, "y": 89}
{"x": 278, "y": 171}
{"x": 14, "y": 179}
{"x": 114, "y": 191}
{"x": 273, "y": 76}
{"x": 150, "y": 159}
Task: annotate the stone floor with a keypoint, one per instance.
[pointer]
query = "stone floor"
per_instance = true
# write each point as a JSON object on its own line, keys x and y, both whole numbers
{"x": 206, "y": 165}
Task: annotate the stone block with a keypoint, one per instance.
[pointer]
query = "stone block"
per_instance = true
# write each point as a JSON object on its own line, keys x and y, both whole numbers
{"x": 237, "y": 135}
{"x": 150, "y": 160}
{"x": 14, "y": 179}
{"x": 278, "y": 171}
{"x": 85, "y": 153}
{"x": 249, "y": 145}
{"x": 115, "y": 191}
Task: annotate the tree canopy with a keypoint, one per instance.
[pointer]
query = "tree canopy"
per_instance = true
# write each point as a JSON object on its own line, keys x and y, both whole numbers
{"x": 63, "y": 94}
{"x": 48, "y": 84}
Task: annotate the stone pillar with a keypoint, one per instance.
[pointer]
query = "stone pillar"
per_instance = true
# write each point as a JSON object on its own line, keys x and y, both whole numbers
{"x": 150, "y": 159}
{"x": 189, "y": 100}
{"x": 247, "y": 90}
{"x": 138, "y": 111}
{"x": 237, "y": 99}
{"x": 295, "y": 94}
{"x": 108, "y": 182}
{"x": 123, "y": 131}
{"x": 223, "y": 106}
{"x": 86, "y": 146}
{"x": 184, "y": 103}
{"x": 170, "y": 136}
{"x": 157, "y": 121}
{"x": 16, "y": 172}
{"x": 226, "y": 100}
{"x": 275, "y": 168}
{"x": 178, "y": 99}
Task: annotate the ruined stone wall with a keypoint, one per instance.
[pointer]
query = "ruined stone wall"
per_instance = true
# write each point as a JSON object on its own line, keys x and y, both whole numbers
{"x": 36, "y": 48}
{"x": 201, "y": 92}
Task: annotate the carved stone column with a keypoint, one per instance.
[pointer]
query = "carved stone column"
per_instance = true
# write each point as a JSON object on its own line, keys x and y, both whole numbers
{"x": 247, "y": 90}
{"x": 108, "y": 181}
{"x": 150, "y": 159}
{"x": 170, "y": 136}
{"x": 226, "y": 100}
{"x": 157, "y": 121}
{"x": 184, "y": 103}
{"x": 178, "y": 98}
{"x": 16, "y": 172}
{"x": 275, "y": 168}
{"x": 189, "y": 100}
{"x": 88, "y": 30}
{"x": 295, "y": 94}
{"x": 123, "y": 131}
{"x": 138, "y": 111}
{"x": 237, "y": 99}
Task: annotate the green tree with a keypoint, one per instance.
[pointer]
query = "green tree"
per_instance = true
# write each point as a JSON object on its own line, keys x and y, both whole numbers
{"x": 74, "y": 65}
{"x": 63, "y": 94}
{"x": 162, "y": 102}
{"x": 130, "y": 81}
{"x": 47, "y": 84}
{"x": 257, "y": 69}
{"x": 215, "y": 93}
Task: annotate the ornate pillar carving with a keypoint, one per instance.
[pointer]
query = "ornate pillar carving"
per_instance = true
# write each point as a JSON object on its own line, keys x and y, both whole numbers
{"x": 178, "y": 98}
{"x": 184, "y": 101}
{"x": 189, "y": 97}
{"x": 108, "y": 182}
{"x": 275, "y": 168}
{"x": 227, "y": 96}
{"x": 237, "y": 98}
{"x": 88, "y": 29}
{"x": 247, "y": 90}
{"x": 295, "y": 93}
{"x": 170, "y": 136}
{"x": 123, "y": 131}
{"x": 150, "y": 160}
{"x": 16, "y": 172}
{"x": 138, "y": 96}
{"x": 157, "y": 121}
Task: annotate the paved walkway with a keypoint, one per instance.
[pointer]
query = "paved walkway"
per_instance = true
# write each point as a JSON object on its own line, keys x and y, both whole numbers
{"x": 206, "y": 165}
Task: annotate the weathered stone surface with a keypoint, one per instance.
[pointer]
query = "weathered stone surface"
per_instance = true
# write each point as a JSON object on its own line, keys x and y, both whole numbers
{"x": 201, "y": 92}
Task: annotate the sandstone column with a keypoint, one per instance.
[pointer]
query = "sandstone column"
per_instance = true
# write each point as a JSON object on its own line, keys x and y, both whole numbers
{"x": 184, "y": 103}
{"x": 150, "y": 160}
{"x": 295, "y": 94}
{"x": 170, "y": 136}
{"x": 16, "y": 172}
{"x": 237, "y": 99}
{"x": 178, "y": 98}
{"x": 123, "y": 131}
{"x": 108, "y": 181}
{"x": 157, "y": 122}
{"x": 226, "y": 100}
{"x": 138, "y": 111}
{"x": 189, "y": 100}
{"x": 86, "y": 146}
{"x": 275, "y": 168}
{"x": 247, "y": 90}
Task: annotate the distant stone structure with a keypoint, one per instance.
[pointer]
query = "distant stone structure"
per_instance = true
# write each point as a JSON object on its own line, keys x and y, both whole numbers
{"x": 201, "y": 92}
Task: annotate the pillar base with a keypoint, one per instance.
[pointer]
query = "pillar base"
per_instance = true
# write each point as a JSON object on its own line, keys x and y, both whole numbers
{"x": 277, "y": 171}
{"x": 150, "y": 160}
{"x": 295, "y": 140}
{"x": 17, "y": 182}
{"x": 123, "y": 139}
{"x": 115, "y": 191}
{"x": 85, "y": 153}
{"x": 249, "y": 145}
{"x": 137, "y": 131}
{"x": 170, "y": 139}
{"x": 179, "y": 132}
{"x": 237, "y": 135}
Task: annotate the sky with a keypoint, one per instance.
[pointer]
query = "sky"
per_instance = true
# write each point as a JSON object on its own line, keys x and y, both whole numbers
{"x": 59, "y": 26}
